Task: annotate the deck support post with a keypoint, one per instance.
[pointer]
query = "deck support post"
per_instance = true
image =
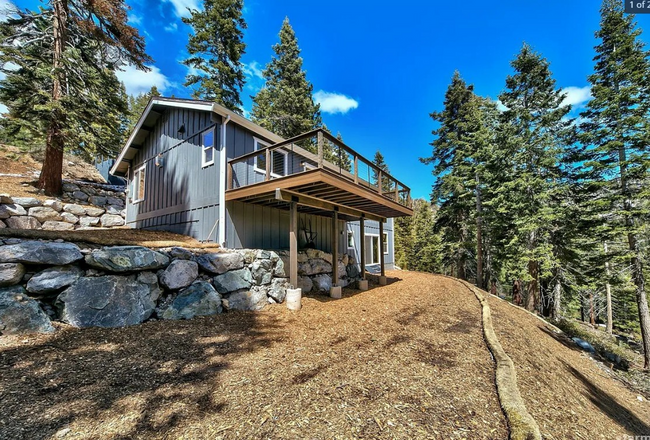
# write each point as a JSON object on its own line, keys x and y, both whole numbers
{"x": 335, "y": 248}
{"x": 362, "y": 245}
{"x": 293, "y": 245}
{"x": 382, "y": 278}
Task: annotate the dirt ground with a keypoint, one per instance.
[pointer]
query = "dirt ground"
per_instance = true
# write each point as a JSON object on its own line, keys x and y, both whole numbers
{"x": 404, "y": 361}
{"x": 568, "y": 393}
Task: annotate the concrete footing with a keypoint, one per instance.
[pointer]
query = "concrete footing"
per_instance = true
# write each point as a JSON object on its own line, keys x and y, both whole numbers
{"x": 336, "y": 292}
{"x": 293, "y": 299}
{"x": 383, "y": 281}
{"x": 363, "y": 284}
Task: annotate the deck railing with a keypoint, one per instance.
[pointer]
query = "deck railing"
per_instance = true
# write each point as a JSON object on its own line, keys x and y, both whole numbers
{"x": 316, "y": 149}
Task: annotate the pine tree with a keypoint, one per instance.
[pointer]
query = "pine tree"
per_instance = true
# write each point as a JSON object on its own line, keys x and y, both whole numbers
{"x": 75, "y": 55}
{"x": 534, "y": 134}
{"x": 617, "y": 132}
{"x": 386, "y": 185}
{"x": 285, "y": 104}
{"x": 215, "y": 50}
{"x": 137, "y": 104}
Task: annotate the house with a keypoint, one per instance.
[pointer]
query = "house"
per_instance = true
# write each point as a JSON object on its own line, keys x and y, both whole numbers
{"x": 196, "y": 168}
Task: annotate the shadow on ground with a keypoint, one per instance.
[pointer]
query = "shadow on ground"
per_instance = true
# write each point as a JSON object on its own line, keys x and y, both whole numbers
{"x": 163, "y": 372}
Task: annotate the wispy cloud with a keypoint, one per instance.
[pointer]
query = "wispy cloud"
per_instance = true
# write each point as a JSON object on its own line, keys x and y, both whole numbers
{"x": 500, "y": 106}
{"x": 134, "y": 18}
{"x": 576, "y": 96}
{"x": 332, "y": 102}
{"x": 5, "y": 7}
{"x": 137, "y": 81}
{"x": 181, "y": 7}
{"x": 171, "y": 27}
{"x": 254, "y": 76}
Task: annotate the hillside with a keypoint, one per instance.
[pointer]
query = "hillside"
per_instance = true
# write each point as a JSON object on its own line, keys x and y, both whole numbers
{"x": 407, "y": 360}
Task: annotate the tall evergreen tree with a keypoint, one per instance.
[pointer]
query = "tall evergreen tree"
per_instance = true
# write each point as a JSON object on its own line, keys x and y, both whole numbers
{"x": 76, "y": 55}
{"x": 285, "y": 104}
{"x": 617, "y": 134}
{"x": 215, "y": 50}
{"x": 137, "y": 104}
{"x": 534, "y": 134}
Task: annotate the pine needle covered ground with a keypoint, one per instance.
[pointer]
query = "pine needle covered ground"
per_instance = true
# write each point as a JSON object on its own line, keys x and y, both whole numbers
{"x": 406, "y": 361}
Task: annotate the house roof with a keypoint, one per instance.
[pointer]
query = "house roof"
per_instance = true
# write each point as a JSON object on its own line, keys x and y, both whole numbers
{"x": 157, "y": 105}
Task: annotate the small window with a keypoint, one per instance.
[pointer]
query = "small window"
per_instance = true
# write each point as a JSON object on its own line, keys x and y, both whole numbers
{"x": 278, "y": 161}
{"x": 139, "y": 178}
{"x": 385, "y": 243}
{"x": 207, "y": 146}
{"x": 350, "y": 239}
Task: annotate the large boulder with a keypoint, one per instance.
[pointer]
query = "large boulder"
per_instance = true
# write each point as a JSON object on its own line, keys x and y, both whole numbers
{"x": 53, "y": 279}
{"x": 75, "y": 209}
{"x": 279, "y": 269}
{"x": 92, "y": 211}
{"x": 54, "y": 204}
{"x": 278, "y": 289}
{"x": 314, "y": 254}
{"x": 43, "y": 214}
{"x": 70, "y": 187}
{"x": 232, "y": 281}
{"x": 57, "y": 226}
{"x": 26, "y": 202}
{"x": 70, "y": 218}
{"x": 352, "y": 271}
{"x": 38, "y": 252}
{"x": 262, "y": 271}
{"x": 179, "y": 274}
{"x": 11, "y": 273}
{"x": 115, "y": 201}
{"x": 6, "y": 199}
{"x": 2, "y": 224}
{"x": 253, "y": 299}
{"x": 9, "y": 210}
{"x": 97, "y": 200}
{"x": 306, "y": 284}
{"x": 322, "y": 283}
{"x": 111, "y": 220}
{"x": 314, "y": 267}
{"x": 23, "y": 222}
{"x": 180, "y": 253}
{"x": 199, "y": 299}
{"x": 20, "y": 314}
{"x": 126, "y": 259}
{"x": 107, "y": 301}
{"x": 219, "y": 263}
{"x": 85, "y": 222}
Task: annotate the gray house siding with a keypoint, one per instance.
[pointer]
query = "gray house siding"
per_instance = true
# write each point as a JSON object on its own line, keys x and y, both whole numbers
{"x": 372, "y": 229}
{"x": 181, "y": 196}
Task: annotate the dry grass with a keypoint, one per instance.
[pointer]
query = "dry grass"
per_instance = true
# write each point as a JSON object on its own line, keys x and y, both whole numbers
{"x": 404, "y": 361}
{"x": 113, "y": 237}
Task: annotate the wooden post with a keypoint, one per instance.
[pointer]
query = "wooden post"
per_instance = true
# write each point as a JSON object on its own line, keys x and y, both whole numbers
{"x": 379, "y": 179}
{"x": 362, "y": 232}
{"x": 381, "y": 248}
{"x": 335, "y": 248}
{"x": 293, "y": 245}
{"x": 268, "y": 164}
{"x": 229, "y": 176}
{"x": 356, "y": 169}
{"x": 397, "y": 192}
{"x": 320, "y": 149}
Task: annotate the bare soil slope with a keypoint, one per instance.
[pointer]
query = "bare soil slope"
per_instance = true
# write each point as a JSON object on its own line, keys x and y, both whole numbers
{"x": 404, "y": 361}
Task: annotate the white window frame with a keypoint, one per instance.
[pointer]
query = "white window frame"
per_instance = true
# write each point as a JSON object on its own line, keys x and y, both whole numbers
{"x": 136, "y": 184}
{"x": 263, "y": 144}
{"x": 385, "y": 243}
{"x": 306, "y": 166}
{"x": 204, "y": 148}
{"x": 351, "y": 236}
{"x": 372, "y": 237}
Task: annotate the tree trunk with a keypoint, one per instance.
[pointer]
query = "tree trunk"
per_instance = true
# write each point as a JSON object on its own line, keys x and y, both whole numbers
{"x": 608, "y": 291}
{"x": 532, "y": 298}
{"x": 52, "y": 170}
{"x": 479, "y": 236}
{"x": 557, "y": 296}
{"x": 592, "y": 317}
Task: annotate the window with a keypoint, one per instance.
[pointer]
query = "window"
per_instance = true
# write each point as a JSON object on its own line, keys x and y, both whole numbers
{"x": 207, "y": 146}
{"x": 139, "y": 178}
{"x": 385, "y": 243}
{"x": 350, "y": 239}
{"x": 278, "y": 160}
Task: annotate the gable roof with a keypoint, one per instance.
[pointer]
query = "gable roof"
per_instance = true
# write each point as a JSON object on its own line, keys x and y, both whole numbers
{"x": 157, "y": 105}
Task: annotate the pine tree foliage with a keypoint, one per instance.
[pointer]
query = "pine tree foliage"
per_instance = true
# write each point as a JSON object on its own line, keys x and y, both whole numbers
{"x": 215, "y": 48}
{"x": 417, "y": 246}
{"x": 616, "y": 133}
{"x": 285, "y": 104}
{"x": 137, "y": 105}
{"x": 67, "y": 55}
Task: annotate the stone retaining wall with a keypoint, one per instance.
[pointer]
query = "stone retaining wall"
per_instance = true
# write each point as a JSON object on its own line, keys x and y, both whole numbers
{"x": 92, "y": 286}
{"x": 82, "y": 206}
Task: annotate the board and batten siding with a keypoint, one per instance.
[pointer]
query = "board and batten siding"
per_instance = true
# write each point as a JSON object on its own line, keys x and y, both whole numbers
{"x": 372, "y": 228}
{"x": 181, "y": 196}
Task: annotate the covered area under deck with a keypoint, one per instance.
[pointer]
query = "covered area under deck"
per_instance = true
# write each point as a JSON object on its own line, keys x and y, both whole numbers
{"x": 317, "y": 174}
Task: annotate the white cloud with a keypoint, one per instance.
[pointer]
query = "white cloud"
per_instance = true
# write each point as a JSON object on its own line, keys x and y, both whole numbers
{"x": 576, "y": 96}
{"x": 172, "y": 27}
{"x": 252, "y": 69}
{"x": 181, "y": 6}
{"x": 134, "y": 19}
{"x": 137, "y": 81}
{"x": 5, "y": 7}
{"x": 331, "y": 102}
{"x": 500, "y": 106}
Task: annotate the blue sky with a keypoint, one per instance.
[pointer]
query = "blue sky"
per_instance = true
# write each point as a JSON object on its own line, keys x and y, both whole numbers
{"x": 379, "y": 68}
